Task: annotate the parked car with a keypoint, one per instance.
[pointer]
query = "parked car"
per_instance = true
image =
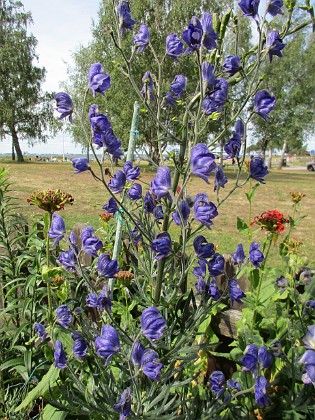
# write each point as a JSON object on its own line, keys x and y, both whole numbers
{"x": 310, "y": 166}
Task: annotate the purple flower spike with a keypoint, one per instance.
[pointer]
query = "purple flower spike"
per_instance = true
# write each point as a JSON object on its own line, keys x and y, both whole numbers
{"x": 274, "y": 7}
{"x": 216, "y": 265}
{"x": 69, "y": 259}
{"x": 209, "y": 36}
{"x": 103, "y": 300}
{"x": 79, "y": 348}
{"x": 200, "y": 272}
{"x": 193, "y": 35}
{"x": 214, "y": 291}
{"x": 118, "y": 182}
{"x": 107, "y": 267}
{"x": 215, "y": 100}
{"x": 135, "y": 192}
{"x": 148, "y": 202}
{"x": 124, "y": 404}
{"x": 178, "y": 85}
{"x": 80, "y": 165}
{"x": 64, "y": 105}
{"x": 232, "y": 64}
{"x": 161, "y": 184}
{"x": 250, "y": 8}
{"x": 107, "y": 344}
{"x": 158, "y": 213}
{"x": 235, "y": 292}
{"x": 255, "y": 255}
{"x": 208, "y": 75}
{"x": 219, "y": 178}
{"x": 265, "y": 358}
{"x": 125, "y": 20}
{"x": 60, "y": 358}
{"x": 239, "y": 255}
{"x": 217, "y": 383}
{"x": 111, "y": 206}
{"x": 202, "y": 162}
{"x": 257, "y": 169}
{"x": 152, "y": 323}
{"x": 131, "y": 172}
{"x": 98, "y": 80}
{"x": 309, "y": 339}
{"x": 57, "y": 228}
{"x": 142, "y": 38}
{"x": 161, "y": 245}
{"x": 63, "y": 316}
{"x": 250, "y": 359}
{"x": 261, "y": 397}
{"x": 147, "y": 90}
{"x": 150, "y": 364}
{"x": 204, "y": 211}
{"x": 264, "y": 103}
{"x": 202, "y": 248}
{"x": 184, "y": 212}
{"x": 90, "y": 243}
{"x": 137, "y": 353}
{"x": 274, "y": 44}
{"x": 308, "y": 359}
{"x": 174, "y": 46}
{"x": 40, "y": 331}
{"x": 91, "y": 300}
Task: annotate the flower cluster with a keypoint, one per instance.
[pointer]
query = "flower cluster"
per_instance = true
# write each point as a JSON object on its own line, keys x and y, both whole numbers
{"x": 50, "y": 200}
{"x": 271, "y": 221}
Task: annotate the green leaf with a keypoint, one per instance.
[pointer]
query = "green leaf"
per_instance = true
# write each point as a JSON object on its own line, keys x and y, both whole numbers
{"x": 241, "y": 225}
{"x": 41, "y": 388}
{"x": 52, "y": 413}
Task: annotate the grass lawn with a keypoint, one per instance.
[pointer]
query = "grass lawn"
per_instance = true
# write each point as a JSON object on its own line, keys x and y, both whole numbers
{"x": 90, "y": 196}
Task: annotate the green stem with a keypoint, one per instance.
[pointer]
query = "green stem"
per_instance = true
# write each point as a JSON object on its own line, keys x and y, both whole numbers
{"x": 49, "y": 295}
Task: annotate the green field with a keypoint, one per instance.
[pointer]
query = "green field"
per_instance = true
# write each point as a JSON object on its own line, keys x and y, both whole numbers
{"x": 89, "y": 197}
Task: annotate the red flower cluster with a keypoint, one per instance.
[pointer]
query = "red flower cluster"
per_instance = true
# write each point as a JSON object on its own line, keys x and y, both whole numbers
{"x": 271, "y": 221}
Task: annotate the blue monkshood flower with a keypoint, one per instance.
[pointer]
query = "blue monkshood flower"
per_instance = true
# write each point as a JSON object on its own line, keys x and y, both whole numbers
{"x": 308, "y": 359}
{"x": 147, "y": 90}
{"x": 60, "y": 358}
{"x": 135, "y": 192}
{"x": 124, "y": 404}
{"x": 239, "y": 254}
{"x": 40, "y": 330}
{"x": 209, "y": 36}
{"x": 276, "y": 348}
{"x": 57, "y": 228}
{"x": 136, "y": 236}
{"x": 264, "y": 357}
{"x": 214, "y": 291}
{"x": 217, "y": 383}
{"x": 255, "y": 255}
{"x": 98, "y": 80}
{"x": 63, "y": 316}
{"x": 250, "y": 7}
{"x": 250, "y": 359}
{"x": 161, "y": 245}
{"x": 111, "y": 206}
{"x": 106, "y": 266}
{"x": 112, "y": 144}
{"x": 69, "y": 259}
{"x": 182, "y": 214}
{"x": 80, "y": 165}
{"x": 79, "y": 348}
{"x": 200, "y": 270}
{"x": 235, "y": 292}
{"x": 202, "y": 248}
{"x": 91, "y": 300}
{"x": 131, "y": 172}
{"x": 204, "y": 211}
{"x": 152, "y": 323}
{"x": 239, "y": 128}
{"x": 137, "y": 353}
{"x": 232, "y": 64}
{"x": 158, "y": 213}
{"x": 125, "y": 19}
{"x": 64, "y": 105}
{"x": 208, "y": 75}
{"x": 148, "y": 202}
{"x": 100, "y": 126}
{"x": 107, "y": 344}
{"x": 174, "y": 46}
{"x": 258, "y": 169}
{"x": 193, "y": 35}
{"x": 216, "y": 99}
{"x": 178, "y": 85}
{"x": 282, "y": 284}
{"x": 161, "y": 184}
{"x": 170, "y": 98}
{"x": 202, "y": 162}
{"x": 118, "y": 182}
{"x": 93, "y": 111}
{"x": 233, "y": 147}
{"x": 101, "y": 302}
{"x": 216, "y": 265}
{"x": 264, "y": 103}
{"x": 142, "y": 38}
{"x": 90, "y": 243}
{"x": 309, "y": 339}
{"x": 274, "y": 44}
{"x": 261, "y": 396}
{"x": 274, "y": 7}
{"x": 219, "y": 178}
{"x": 233, "y": 385}
{"x": 201, "y": 286}
{"x": 309, "y": 307}
{"x": 151, "y": 365}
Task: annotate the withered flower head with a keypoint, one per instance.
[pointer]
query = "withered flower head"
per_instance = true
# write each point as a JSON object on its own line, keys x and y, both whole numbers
{"x": 124, "y": 277}
{"x": 296, "y": 196}
{"x": 50, "y": 200}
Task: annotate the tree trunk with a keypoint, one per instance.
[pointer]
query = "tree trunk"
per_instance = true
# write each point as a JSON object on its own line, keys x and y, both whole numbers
{"x": 16, "y": 144}
{"x": 13, "y": 152}
{"x": 270, "y": 158}
{"x": 284, "y": 148}
{"x": 263, "y": 151}
{"x": 154, "y": 153}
